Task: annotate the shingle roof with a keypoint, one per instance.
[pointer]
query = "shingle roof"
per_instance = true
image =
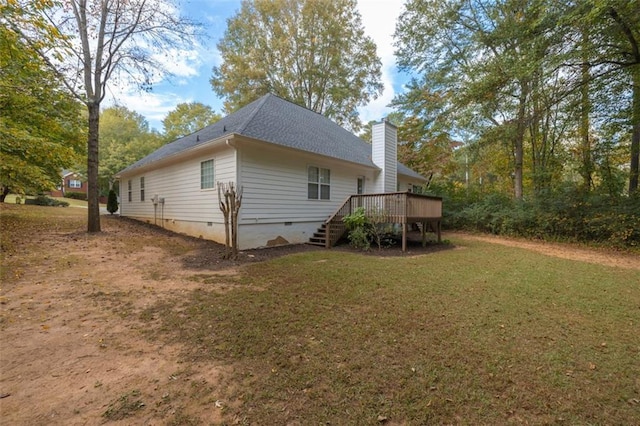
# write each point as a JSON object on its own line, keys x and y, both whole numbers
{"x": 275, "y": 120}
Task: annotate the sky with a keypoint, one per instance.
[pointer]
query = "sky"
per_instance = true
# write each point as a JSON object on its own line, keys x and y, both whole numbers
{"x": 192, "y": 69}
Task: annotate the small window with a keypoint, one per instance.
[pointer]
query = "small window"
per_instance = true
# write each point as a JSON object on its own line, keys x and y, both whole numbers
{"x": 74, "y": 183}
{"x": 129, "y": 189}
{"x": 142, "y": 188}
{"x": 206, "y": 175}
{"x": 319, "y": 183}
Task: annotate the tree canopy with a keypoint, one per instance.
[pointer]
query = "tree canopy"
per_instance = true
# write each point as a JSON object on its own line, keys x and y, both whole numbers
{"x": 101, "y": 42}
{"x": 40, "y": 122}
{"x": 539, "y": 91}
{"x": 187, "y": 118}
{"x": 313, "y": 53}
{"x": 125, "y": 138}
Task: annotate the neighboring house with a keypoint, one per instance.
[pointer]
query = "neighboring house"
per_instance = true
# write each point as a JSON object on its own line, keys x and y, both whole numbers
{"x": 295, "y": 166}
{"x": 71, "y": 182}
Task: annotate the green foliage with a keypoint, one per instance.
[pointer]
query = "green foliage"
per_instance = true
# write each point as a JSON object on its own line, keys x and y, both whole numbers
{"x": 540, "y": 92}
{"x": 125, "y": 138}
{"x": 188, "y": 118}
{"x": 112, "y": 202}
{"x": 564, "y": 214}
{"x": 40, "y": 123}
{"x": 359, "y": 229}
{"x": 43, "y": 200}
{"x": 313, "y": 53}
{"x": 76, "y": 195}
{"x": 365, "y": 228}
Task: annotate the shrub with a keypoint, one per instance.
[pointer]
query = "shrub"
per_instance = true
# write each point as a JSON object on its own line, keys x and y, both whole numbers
{"x": 565, "y": 213}
{"x": 112, "y": 202}
{"x": 43, "y": 200}
{"x": 76, "y": 195}
{"x": 357, "y": 225}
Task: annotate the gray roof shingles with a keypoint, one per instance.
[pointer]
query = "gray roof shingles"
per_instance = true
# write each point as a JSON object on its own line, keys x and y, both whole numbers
{"x": 275, "y": 120}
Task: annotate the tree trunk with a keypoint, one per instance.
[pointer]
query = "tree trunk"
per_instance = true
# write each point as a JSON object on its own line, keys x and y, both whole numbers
{"x": 635, "y": 135}
{"x": 93, "y": 219}
{"x": 585, "y": 109}
{"x": 518, "y": 143}
{"x": 4, "y": 193}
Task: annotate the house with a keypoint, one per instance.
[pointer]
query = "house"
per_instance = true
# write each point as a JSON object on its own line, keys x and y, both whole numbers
{"x": 71, "y": 182}
{"x": 296, "y": 168}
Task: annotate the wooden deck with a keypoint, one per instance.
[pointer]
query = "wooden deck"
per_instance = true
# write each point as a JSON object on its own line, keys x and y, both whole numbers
{"x": 402, "y": 208}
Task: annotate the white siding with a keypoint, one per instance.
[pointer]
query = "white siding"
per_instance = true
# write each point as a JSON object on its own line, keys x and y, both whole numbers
{"x": 179, "y": 185}
{"x": 275, "y": 205}
{"x": 275, "y": 185}
{"x": 384, "y": 155}
{"x": 406, "y": 184}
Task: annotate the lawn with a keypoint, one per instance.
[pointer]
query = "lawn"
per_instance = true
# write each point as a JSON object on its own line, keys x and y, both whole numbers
{"x": 479, "y": 334}
{"x": 122, "y": 325}
{"x": 11, "y": 199}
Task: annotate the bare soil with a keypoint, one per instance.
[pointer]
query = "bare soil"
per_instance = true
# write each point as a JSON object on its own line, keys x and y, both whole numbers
{"x": 72, "y": 349}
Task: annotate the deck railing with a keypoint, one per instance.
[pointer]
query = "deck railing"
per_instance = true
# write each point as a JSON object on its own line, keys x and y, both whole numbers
{"x": 394, "y": 207}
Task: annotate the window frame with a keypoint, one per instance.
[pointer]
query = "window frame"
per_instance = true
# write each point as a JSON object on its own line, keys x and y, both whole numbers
{"x": 321, "y": 183}
{"x": 75, "y": 183}
{"x": 141, "y": 188}
{"x": 129, "y": 191}
{"x": 212, "y": 176}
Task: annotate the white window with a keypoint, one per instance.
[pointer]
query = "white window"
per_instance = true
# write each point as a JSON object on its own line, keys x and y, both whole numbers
{"x": 129, "y": 189}
{"x": 207, "y": 180}
{"x": 319, "y": 183}
{"x": 75, "y": 183}
{"x": 142, "y": 188}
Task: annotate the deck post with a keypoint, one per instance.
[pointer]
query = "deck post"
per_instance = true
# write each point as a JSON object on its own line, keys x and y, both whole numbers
{"x": 327, "y": 241}
{"x": 424, "y": 234}
{"x": 404, "y": 237}
{"x": 439, "y": 231}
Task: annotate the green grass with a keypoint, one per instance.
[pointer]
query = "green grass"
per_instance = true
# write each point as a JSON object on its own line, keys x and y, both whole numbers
{"x": 484, "y": 334}
{"x": 11, "y": 199}
{"x": 479, "y": 334}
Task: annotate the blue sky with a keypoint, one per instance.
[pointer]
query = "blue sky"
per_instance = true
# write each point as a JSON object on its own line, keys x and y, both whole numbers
{"x": 192, "y": 69}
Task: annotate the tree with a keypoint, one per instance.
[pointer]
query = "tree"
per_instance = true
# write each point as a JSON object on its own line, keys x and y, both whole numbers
{"x": 99, "y": 42}
{"x": 313, "y": 53}
{"x": 610, "y": 50}
{"x": 112, "y": 202}
{"x": 125, "y": 138}
{"x": 546, "y": 79}
{"x": 40, "y": 123}
{"x": 188, "y": 118}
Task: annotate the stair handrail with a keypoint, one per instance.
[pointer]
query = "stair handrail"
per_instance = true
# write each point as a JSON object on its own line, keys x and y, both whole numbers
{"x": 338, "y": 210}
{"x": 329, "y": 241}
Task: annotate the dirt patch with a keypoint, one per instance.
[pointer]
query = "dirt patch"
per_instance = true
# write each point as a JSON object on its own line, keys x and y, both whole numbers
{"x": 564, "y": 251}
{"x": 74, "y": 349}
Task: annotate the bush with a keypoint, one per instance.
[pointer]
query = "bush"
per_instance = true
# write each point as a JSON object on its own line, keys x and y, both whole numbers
{"x": 358, "y": 227}
{"x": 565, "y": 213}
{"x": 76, "y": 195}
{"x": 43, "y": 200}
{"x": 112, "y": 202}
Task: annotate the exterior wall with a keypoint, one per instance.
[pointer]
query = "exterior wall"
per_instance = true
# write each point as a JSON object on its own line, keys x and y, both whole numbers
{"x": 187, "y": 208}
{"x": 384, "y": 154}
{"x": 406, "y": 184}
{"x": 275, "y": 205}
{"x": 67, "y": 184}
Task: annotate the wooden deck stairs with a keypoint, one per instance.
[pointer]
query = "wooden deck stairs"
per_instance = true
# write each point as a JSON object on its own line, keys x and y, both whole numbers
{"x": 319, "y": 237}
{"x": 403, "y": 208}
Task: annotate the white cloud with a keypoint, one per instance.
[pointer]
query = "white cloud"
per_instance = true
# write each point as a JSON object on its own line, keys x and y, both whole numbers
{"x": 179, "y": 62}
{"x": 153, "y": 106}
{"x": 379, "y": 20}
